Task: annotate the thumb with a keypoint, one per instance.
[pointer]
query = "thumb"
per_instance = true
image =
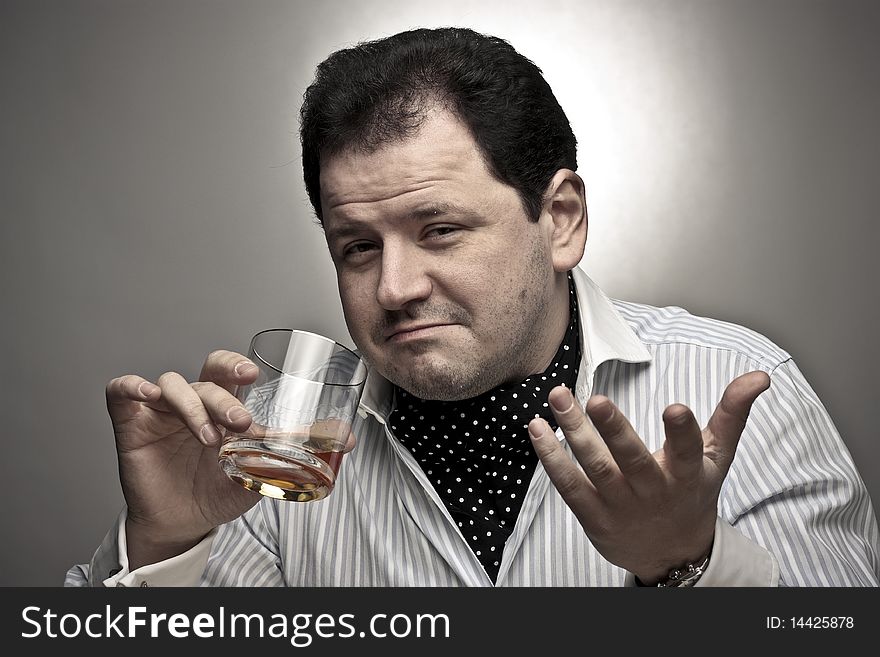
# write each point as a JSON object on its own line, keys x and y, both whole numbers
{"x": 726, "y": 425}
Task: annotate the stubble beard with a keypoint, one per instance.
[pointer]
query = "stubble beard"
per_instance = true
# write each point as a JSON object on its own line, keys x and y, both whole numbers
{"x": 508, "y": 354}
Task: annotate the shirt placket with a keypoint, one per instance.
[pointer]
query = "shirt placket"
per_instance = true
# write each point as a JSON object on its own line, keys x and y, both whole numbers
{"x": 443, "y": 534}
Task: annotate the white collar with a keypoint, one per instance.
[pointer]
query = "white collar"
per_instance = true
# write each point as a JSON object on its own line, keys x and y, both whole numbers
{"x": 605, "y": 336}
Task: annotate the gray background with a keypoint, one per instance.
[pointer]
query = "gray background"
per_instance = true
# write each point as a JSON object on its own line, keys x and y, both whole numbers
{"x": 152, "y": 206}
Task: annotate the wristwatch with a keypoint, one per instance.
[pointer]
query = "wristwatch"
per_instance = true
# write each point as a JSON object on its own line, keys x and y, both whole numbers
{"x": 687, "y": 575}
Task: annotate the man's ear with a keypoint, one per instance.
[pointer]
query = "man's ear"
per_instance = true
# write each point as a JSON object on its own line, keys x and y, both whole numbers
{"x": 565, "y": 206}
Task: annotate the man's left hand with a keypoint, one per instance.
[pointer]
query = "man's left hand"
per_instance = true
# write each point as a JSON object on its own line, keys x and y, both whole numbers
{"x": 647, "y": 513}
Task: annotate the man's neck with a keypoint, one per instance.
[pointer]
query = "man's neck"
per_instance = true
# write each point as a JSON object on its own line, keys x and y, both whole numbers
{"x": 557, "y": 323}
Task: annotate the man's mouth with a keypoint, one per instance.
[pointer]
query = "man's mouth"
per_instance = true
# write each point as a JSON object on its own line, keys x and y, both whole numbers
{"x": 403, "y": 332}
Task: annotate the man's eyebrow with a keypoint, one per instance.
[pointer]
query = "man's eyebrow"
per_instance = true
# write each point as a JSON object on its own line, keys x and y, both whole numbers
{"x": 345, "y": 230}
{"x": 437, "y": 209}
{"x": 350, "y": 227}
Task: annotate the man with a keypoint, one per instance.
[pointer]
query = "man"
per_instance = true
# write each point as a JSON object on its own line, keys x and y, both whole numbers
{"x": 520, "y": 428}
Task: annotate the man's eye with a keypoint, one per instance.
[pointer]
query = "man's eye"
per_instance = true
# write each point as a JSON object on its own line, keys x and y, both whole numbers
{"x": 358, "y": 248}
{"x": 441, "y": 231}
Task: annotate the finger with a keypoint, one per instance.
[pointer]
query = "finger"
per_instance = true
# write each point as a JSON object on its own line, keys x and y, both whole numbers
{"x": 635, "y": 461}
{"x": 588, "y": 448}
{"x": 571, "y": 482}
{"x": 683, "y": 448}
{"x": 729, "y": 419}
{"x": 130, "y": 387}
{"x": 125, "y": 393}
{"x": 185, "y": 402}
{"x": 228, "y": 369}
{"x": 224, "y": 409}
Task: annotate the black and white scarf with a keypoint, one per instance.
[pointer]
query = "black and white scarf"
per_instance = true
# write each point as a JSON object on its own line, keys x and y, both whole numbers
{"x": 477, "y": 452}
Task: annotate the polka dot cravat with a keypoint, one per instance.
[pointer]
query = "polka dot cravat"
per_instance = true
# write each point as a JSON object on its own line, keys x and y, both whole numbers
{"x": 477, "y": 452}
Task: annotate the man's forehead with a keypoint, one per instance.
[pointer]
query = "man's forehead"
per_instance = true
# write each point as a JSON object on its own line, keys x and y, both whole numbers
{"x": 442, "y": 149}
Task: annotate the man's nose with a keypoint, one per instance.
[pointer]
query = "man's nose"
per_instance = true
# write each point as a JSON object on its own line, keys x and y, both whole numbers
{"x": 403, "y": 279}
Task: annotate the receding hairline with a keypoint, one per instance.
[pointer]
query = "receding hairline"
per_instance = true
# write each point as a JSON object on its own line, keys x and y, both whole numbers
{"x": 418, "y": 106}
{"x": 429, "y": 103}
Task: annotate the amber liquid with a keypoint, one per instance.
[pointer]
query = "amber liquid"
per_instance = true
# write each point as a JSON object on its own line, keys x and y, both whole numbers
{"x": 296, "y": 466}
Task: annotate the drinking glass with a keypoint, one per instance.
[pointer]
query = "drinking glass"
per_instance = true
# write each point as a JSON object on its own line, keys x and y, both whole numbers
{"x": 303, "y": 405}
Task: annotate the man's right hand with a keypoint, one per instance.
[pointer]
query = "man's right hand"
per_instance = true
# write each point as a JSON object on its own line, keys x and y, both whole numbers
{"x": 167, "y": 440}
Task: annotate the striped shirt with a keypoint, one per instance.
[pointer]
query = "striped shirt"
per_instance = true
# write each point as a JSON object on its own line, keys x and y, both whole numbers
{"x": 793, "y": 510}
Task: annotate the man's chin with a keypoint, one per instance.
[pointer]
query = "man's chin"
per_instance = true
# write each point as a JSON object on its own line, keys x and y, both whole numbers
{"x": 430, "y": 377}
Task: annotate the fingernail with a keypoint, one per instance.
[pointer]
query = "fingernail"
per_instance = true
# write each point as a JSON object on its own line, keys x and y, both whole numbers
{"x": 567, "y": 401}
{"x": 535, "y": 430}
{"x": 209, "y": 434}
{"x": 146, "y": 389}
{"x": 236, "y": 413}
{"x": 244, "y": 368}
{"x": 605, "y": 412}
{"x": 680, "y": 420}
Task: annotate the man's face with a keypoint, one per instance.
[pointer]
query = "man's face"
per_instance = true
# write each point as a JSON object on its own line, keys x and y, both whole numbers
{"x": 446, "y": 285}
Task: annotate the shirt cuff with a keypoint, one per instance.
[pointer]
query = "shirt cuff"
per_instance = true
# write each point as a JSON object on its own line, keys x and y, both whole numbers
{"x": 735, "y": 561}
{"x": 109, "y": 565}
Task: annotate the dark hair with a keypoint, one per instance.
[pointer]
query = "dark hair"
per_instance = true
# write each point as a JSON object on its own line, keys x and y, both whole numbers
{"x": 379, "y": 92}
